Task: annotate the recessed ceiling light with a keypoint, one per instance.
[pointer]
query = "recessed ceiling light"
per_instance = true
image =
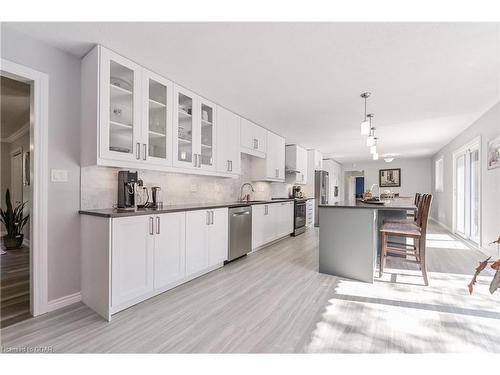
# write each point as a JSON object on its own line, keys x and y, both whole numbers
{"x": 388, "y": 160}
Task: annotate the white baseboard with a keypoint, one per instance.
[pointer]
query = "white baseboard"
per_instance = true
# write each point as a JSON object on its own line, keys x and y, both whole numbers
{"x": 58, "y": 303}
{"x": 26, "y": 242}
{"x": 441, "y": 224}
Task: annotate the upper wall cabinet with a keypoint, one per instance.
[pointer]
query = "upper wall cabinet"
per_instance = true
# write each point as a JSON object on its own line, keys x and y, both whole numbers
{"x": 272, "y": 168}
{"x": 228, "y": 151}
{"x": 194, "y": 131}
{"x": 157, "y": 119}
{"x": 253, "y": 139}
{"x": 126, "y": 113}
{"x": 296, "y": 164}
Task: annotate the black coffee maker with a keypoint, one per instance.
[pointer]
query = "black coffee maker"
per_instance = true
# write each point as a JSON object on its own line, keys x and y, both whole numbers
{"x": 127, "y": 182}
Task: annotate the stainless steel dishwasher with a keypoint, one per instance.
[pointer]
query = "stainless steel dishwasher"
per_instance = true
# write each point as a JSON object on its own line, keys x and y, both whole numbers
{"x": 240, "y": 232}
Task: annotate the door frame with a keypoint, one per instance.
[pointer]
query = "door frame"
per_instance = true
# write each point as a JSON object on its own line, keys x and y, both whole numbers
{"x": 39, "y": 83}
{"x": 473, "y": 144}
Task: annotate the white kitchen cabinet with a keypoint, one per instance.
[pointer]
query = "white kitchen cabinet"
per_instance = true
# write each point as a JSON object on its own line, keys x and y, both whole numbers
{"x": 272, "y": 167}
{"x": 132, "y": 258}
{"x": 271, "y": 222}
{"x": 228, "y": 151}
{"x": 206, "y": 239}
{"x": 157, "y": 119}
{"x": 169, "y": 249}
{"x": 253, "y": 139}
{"x": 217, "y": 239}
{"x": 126, "y": 113}
{"x": 296, "y": 164}
{"x": 194, "y": 131}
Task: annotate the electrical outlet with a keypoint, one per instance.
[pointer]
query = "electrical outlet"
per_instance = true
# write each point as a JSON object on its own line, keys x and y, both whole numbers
{"x": 194, "y": 188}
{"x": 59, "y": 175}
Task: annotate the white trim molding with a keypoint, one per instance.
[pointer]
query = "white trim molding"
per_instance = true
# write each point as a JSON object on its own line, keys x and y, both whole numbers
{"x": 59, "y": 303}
{"x": 17, "y": 134}
{"x": 38, "y": 127}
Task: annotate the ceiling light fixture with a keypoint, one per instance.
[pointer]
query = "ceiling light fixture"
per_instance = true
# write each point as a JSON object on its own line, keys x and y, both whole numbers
{"x": 388, "y": 160}
{"x": 375, "y": 156}
{"x": 365, "y": 125}
{"x": 373, "y": 149}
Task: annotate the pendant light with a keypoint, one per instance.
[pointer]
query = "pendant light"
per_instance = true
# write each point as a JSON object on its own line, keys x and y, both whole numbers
{"x": 365, "y": 125}
{"x": 371, "y": 140}
{"x": 375, "y": 156}
{"x": 373, "y": 149}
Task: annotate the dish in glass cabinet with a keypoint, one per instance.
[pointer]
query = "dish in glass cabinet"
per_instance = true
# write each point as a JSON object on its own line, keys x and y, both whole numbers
{"x": 120, "y": 82}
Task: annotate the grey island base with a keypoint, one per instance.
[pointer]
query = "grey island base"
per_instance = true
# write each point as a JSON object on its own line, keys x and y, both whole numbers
{"x": 349, "y": 238}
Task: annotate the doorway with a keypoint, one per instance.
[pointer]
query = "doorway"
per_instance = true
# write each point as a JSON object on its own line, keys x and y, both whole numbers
{"x": 360, "y": 187}
{"x": 15, "y": 201}
{"x": 467, "y": 192}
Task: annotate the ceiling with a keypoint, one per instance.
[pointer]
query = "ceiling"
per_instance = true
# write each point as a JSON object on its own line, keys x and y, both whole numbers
{"x": 429, "y": 81}
{"x": 15, "y": 107}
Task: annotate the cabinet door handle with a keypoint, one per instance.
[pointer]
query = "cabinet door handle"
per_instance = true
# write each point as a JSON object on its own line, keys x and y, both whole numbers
{"x": 151, "y": 224}
{"x": 144, "y": 149}
{"x": 208, "y": 217}
{"x": 195, "y": 160}
{"x": 157, "y": 225}
{"x": 138, "y": 151}
{"x": 199, "y": 160}
{"x": 212, "y": 220}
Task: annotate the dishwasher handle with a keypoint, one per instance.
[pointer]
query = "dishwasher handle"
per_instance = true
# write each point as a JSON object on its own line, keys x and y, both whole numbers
{"x": 241, "y": 213}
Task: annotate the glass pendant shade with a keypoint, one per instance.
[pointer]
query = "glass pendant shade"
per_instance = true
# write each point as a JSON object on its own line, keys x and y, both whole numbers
{"x": 370, "y": 141}
{"x": 375, "y": 156}
{"x": 365, "y": 127}
{"x": 373, "y": 149}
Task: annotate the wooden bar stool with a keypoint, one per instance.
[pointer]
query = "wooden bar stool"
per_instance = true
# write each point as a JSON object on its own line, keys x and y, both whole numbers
{"x": 416, "y": 202}
{"x": 417, "y": 231}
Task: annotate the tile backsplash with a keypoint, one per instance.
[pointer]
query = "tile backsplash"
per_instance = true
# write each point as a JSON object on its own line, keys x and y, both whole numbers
{"x": 99, "y": 186}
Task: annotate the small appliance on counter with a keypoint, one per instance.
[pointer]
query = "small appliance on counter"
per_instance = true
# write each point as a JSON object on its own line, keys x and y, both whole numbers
{"x": 296, "y": 192}
{"x": 157, "y": 197}
{"x": 127, "y": 185}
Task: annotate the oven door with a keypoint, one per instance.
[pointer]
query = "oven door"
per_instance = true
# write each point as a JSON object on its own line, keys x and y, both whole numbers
{"x": 300, "y": 214}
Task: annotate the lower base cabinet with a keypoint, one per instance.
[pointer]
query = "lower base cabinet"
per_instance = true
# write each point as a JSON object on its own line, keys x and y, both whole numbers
{"x": 270, "y": 222}
{"x": 127, "y": 260}
{"x": 206, "y": 239}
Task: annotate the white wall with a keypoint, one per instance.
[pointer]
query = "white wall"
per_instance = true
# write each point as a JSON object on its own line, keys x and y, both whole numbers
{"x": 415, "y": 174}
{"x": 64, "y": 153}
{"x": 486, "y": 127}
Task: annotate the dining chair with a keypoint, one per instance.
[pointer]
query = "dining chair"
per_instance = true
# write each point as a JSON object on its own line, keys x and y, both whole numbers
{"x": 417, "y": 231}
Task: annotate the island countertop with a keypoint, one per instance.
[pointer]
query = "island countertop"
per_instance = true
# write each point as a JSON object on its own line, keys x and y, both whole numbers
{"x": 390, "y": 204}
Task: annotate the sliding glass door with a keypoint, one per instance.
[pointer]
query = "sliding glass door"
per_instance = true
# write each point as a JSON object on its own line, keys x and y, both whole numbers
{"x": 467, "y": 193}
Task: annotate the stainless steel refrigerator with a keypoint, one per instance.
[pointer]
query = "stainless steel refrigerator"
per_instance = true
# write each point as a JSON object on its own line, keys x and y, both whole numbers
{"x": 321, "y": 195}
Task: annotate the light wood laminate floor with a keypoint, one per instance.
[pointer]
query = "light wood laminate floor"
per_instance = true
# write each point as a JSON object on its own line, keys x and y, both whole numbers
{"x": 276, "y": 301}
{"x": 14, "y": 286}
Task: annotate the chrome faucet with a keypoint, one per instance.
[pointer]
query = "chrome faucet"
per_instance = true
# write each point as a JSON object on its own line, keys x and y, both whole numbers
{"x": 247, "y": 196}
{"x": 371, "y": 189}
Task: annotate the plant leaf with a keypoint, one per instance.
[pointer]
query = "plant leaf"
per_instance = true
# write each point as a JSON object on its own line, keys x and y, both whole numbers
{"x": 495, "y": 283}
{"x": 481, "y": 267}
{"x": 496, "y": 265}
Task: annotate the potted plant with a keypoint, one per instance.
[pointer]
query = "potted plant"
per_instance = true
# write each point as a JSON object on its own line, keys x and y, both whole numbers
{"x": 14, "y": 221}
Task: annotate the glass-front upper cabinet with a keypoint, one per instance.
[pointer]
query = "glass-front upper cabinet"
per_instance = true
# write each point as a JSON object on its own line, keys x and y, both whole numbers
{"x": 194, "y": 131}
{"x": 207, "y": 135}
{"x": 185, "y": 152}
{"x": 120, "y": 108}
{"x": 157, "y": 112}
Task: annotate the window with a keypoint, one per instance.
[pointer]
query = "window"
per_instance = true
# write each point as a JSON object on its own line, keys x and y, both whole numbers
{"x": 438, "y": 177}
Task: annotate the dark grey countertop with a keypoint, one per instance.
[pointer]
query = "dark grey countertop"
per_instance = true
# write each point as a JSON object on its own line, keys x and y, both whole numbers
{"x": 113, "y": 212}
{"x": 390, "y": 204}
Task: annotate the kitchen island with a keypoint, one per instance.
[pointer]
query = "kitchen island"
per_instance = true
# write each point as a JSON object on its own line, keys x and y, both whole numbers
{"x": 349, "y": 235}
